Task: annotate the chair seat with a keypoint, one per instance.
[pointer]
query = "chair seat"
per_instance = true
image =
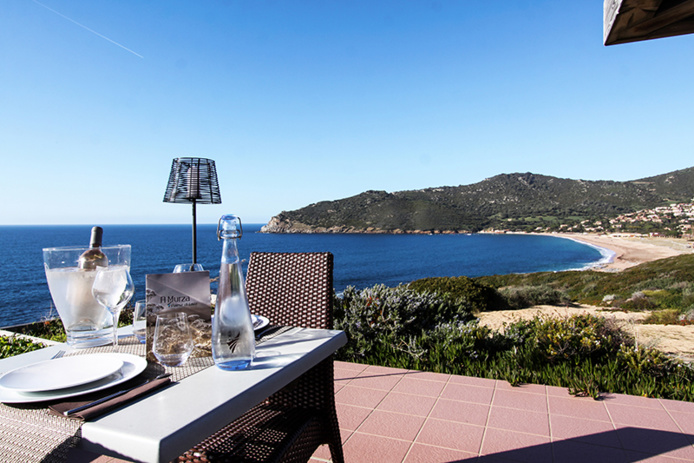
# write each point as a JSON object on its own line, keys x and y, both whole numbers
{"x": 264, "y": 433}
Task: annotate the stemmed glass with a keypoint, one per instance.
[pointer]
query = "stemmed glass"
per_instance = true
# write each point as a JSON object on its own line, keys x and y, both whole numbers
{"x": 113, "y": 287}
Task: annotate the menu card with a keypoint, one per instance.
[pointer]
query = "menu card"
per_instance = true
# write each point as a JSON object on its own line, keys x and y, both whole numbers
{"x": 187, "y": 292}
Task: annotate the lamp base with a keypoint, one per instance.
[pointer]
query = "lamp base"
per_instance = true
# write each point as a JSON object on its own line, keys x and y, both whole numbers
{"x": 187, "y": 268}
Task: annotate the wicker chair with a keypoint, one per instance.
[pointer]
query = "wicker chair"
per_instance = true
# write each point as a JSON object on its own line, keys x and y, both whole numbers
{"x": 290, "y": 289}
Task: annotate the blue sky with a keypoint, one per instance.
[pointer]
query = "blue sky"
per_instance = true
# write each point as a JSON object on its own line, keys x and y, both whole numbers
{"x": 304, "y": 101}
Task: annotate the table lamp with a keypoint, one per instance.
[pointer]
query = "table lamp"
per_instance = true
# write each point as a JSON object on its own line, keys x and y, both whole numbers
{"x": 193, "y": 180}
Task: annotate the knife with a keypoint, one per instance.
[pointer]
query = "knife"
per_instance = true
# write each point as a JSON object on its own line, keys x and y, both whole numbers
{"x": 112, "y": 396}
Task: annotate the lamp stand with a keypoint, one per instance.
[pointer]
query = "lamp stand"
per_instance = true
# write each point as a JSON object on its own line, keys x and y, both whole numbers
{"x": 195, "y": 240}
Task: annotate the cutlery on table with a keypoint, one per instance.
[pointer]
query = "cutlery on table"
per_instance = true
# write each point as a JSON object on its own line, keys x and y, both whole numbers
{"x": 112, "y": 396}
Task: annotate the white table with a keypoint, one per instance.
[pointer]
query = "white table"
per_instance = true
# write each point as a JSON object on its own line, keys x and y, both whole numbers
{"x": 167, "y": 423}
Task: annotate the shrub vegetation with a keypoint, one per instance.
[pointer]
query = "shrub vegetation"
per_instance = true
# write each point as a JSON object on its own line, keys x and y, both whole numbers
{"x": 10, "y": 346}
{"x": 476, "y": 295}
{"x": 661, "y": 284}
{"x": 402, "y": 328}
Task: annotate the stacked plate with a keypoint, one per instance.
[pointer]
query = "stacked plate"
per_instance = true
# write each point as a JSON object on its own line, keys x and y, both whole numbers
{"x": 68, "y": 376}
{"x": 259, "y": 322}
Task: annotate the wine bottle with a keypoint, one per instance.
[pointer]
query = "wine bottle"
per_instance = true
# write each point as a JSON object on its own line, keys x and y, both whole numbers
{"x": 93, "y": 257}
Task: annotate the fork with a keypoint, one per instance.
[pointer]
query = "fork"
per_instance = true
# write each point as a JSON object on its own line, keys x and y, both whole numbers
{"x": 58, "y": 354}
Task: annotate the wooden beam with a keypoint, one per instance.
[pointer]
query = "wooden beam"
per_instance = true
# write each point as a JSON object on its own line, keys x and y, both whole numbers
{"x": 665, "y": 18}
{"x": 634, "y": 20}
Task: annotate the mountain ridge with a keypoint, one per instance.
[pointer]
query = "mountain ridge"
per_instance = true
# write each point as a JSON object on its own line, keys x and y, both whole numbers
{"x": 516, "y": 201}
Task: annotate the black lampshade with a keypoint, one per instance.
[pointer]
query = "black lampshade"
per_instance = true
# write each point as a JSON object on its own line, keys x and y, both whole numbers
{"x": 193, "y": 180}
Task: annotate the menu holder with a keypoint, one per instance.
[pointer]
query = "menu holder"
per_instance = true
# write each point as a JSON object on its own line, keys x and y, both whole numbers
{"x": 187, "y": 292}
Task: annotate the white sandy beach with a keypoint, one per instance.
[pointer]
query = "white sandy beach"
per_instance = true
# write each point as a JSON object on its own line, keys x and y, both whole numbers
{"x": 631, "y": 251}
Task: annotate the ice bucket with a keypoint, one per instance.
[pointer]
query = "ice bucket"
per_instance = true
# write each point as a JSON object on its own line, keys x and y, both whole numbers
{"x": 87, "y": 323}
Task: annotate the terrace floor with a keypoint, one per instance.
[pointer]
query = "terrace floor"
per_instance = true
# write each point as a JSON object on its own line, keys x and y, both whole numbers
{"x": 392, "y": 415}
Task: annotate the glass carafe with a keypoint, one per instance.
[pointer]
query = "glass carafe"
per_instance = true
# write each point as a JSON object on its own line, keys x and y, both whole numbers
{"x": 233, "y": 340}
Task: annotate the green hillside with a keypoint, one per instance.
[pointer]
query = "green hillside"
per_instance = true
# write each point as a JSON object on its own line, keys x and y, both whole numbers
{"x": 520, "y": 202}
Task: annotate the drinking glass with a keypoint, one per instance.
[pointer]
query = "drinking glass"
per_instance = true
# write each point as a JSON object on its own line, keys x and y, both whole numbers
{"x": 140, "y": 321}
{"x": 113, "y": 287}
{"x": 173, "y": 341}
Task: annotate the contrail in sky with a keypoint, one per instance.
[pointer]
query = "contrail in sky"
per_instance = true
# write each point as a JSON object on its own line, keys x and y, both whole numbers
{"x": 90, "y": 30}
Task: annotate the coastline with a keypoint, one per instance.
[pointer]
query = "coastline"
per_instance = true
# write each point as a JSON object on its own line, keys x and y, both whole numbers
{"x": 625, "y": 251}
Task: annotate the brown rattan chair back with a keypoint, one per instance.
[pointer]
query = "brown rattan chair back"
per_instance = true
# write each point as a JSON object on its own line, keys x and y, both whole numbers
{"x": 292, "y": 289}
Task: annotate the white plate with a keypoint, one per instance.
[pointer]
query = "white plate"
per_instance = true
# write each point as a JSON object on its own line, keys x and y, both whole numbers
{"x": 259, "y": 322}
{"x": 132, "y": 366}
{"x": 61, "y": 373}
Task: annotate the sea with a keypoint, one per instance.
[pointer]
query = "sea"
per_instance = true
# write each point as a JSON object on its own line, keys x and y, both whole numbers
{"x": 361, "y": 260}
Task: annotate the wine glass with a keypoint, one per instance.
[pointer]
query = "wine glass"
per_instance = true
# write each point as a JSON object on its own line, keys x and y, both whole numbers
{"x": 113, "y": 287}
{"x": 140, "y": 321}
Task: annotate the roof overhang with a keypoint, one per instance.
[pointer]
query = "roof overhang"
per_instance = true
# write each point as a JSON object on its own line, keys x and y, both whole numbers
{"x": 634, "y": 20}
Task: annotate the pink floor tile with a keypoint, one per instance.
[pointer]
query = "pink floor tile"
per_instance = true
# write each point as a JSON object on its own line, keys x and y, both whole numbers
{"x": 462, "y": 412}
{"x": 429, "y": 376}
{"x": 556, "y": 391}
{"x": 452, "y": 435}
{"x": 393, "y": 425}
{"x": 519, "y": 420}
{"x": 578, "y": 407}
{"x": 374, "y": 379}
{"x": 420, "y": 453}
{"x": 379, "y": 370}
{"x": 419, "y": 387}
{"x": 685, "y": 421}
{"x": 588, "y": 431}
{"x": 360, "y": 396}
{"x": 517, "y": 446}
{"x": 350, "y": 366}
{"x": 520, "y": 400}
{"x": 530, "y": 388}
{"x": 473, "y": 381}
{"x": 655, "y": 442}
{"x": 344, "y": 376}
{"x": 580, "y": 452}
{"x": 631, "y": 400}
{"x": 468, "y": 393}
{"x": 646, "y": 458}
{"x": 322, "y": 454}
{"x": 350, "y": 417}
{"x": 642, "y": 417}
{"x": 677, "y": 406}
{"x": 369, "y": 448}
{"x": 407, "y": 403}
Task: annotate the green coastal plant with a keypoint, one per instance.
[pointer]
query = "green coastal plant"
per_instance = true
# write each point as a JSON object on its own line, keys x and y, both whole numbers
{"x": 385, "y": 322}
{"x": 658, "y": 285}
{"x": 479, "y": 297}
{"x": 521, "y": 297}
{"x": 13, "y": 345}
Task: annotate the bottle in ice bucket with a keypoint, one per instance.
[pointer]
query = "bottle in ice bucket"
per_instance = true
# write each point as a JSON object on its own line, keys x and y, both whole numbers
{"x": 93, "y": 257}
{"x": 233, "y": 340}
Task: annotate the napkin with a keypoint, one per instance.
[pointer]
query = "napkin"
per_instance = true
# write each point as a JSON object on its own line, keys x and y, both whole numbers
{"x": 97, "y": 410}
